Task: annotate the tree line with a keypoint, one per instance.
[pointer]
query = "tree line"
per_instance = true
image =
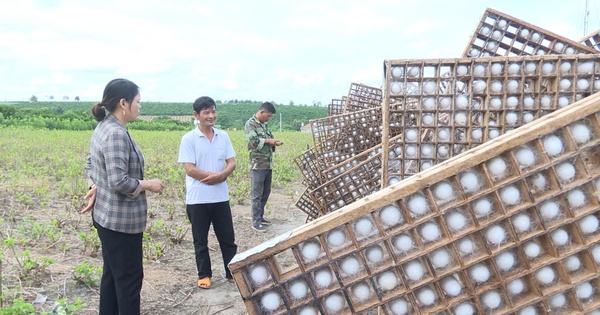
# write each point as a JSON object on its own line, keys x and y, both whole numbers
{"x": 77, "y": 115}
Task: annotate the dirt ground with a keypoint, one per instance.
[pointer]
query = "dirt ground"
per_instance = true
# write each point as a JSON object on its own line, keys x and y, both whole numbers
{"x": 169, "y": 283}
{"x": 170, "y": 286}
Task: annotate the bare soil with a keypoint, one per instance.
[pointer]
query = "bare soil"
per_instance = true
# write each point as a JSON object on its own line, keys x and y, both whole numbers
{"x": 169, "y": 283}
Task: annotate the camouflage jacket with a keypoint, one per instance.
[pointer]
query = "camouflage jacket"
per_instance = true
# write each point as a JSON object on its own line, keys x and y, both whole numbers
{"x": 261, "y": 155}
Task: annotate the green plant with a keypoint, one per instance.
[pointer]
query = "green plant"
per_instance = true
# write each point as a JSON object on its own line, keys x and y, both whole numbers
{"x": 152, "y": 250}
{"x": 91, "y": 242}
{"x": 86, "y": 273}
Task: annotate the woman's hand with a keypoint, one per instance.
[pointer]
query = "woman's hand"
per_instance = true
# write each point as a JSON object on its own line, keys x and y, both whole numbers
{"x": 91, "y": 198}
{"x": 153, "y": 185}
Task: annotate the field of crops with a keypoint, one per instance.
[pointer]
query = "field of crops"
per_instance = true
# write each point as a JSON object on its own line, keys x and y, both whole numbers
{"x": 49, "y": 250}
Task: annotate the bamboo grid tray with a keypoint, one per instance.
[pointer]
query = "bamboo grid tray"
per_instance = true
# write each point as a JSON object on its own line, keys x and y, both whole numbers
{"x": 499, "y": 34}
{"x": 361, "y": 96}
{"x": 337, "y": 106}
{"x": 451, "y": 105}
{"x": 592, "y": 40}
{"x": 508, "y": 227}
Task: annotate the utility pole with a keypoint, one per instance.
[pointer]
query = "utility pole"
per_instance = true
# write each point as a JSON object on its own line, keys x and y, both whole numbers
{"x": 586, "y": 18}
{"x": 279, "y": 122}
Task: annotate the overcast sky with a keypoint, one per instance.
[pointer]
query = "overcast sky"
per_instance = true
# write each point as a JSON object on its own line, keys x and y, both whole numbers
{"x": 302, "y": 51}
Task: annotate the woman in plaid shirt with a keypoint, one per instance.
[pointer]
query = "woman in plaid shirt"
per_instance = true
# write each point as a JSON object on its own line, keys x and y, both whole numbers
{"x": 117, "y": 197}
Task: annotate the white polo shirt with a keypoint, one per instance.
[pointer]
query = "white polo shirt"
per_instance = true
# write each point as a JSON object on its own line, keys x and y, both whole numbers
{"x": 208, "y": 156}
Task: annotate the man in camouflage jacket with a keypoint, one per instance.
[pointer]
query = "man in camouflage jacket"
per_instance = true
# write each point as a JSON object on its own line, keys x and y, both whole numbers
{"x": 261, "y": 145}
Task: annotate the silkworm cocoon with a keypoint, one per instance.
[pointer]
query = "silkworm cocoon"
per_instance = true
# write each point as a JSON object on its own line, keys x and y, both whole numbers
{"x": 451, "y": 286}
{"x": 336, "y": 238}
{"x": 323, "y": 278}
{"x": 426, "y": 296}
{"x": 482, "y": 207}
{"x": 430, "y": 231}
{"x": 413, "y": 72}
{"x": 515, "y": 287}
{"x": 512, "y": 102}
{"x": 530, "y": 68}
{"x": 496, "y": 87}
{"x": 411, "y": 135}
{"x": 496, "y": 68}
{"x": 565, "y": 67}
{"x": 512, "y": 86}
{"x": 511, "y": 118}
{"x": 350, "y": 265}
{"x": 485, "y": 30}
{"x": 479, "y": 70}
{"x": 521, "y": 223}
{"x": 480, "y": 273}
{"x": 298, "y": 290}
{"x": 390, "y": 215}
{"x": 514, "y": 68}
{"x": 456, "y": 221}
{"x": 572, "y": 263}
{"x": 399, "y": 306}
{"x": 563, "y": 101}
{"x": 464, "y": 308}
{"x": 492, "y": 299}
{"x": 308, "y": 310}
{"x": 334, "y": 303}
{"x": 581, "y": 133}
{"x": 545, "y": 275}
{"x": 396, "y": 88}
{"x": 429, "y": 103}
{"x": 576, "y": 198}
{"x": 361, "y": 291}
{"x": 270, "y": 301}
{"x": 505, "y": 261}
{"x": 466, "y": 246}
{"x": 397, "y": 72}
{"x": 584, "y": 291}
{"x": 588, "y": 224}
{"x": 443, "y": 191}
{"x": 374, "y": 254}
{"x": 535, "y": 37}
{"x": 539, "y": 181}
{"x": 565, "y": 171}
{"x": 404, "y": 243}
{"x": 547, "y": 68}
{"x": 560, "y": 237}
{"x": 310, "y": 251}
{"x": 418, "y": 205}
{"x": 528, "y": 102}
{"x": 557, "y": 301}
{"x": 510, "y": 195}
{"x": 525, "y": 157}
{"x": 496, "y": 234}
{"x": 549, "y": 210}
{"x": 387, "y": 280}
{"x": 528, "y": 310}
{"x": 429, "y": 87}
{"x": 363, "y": 227}
{"x": 463, "y": 70}
{"x": 497, "y": 167}
{"x": 495, "y": 102}
{"x": 414, "y": 270}
{"x": 259, "y": 274}
{"x": 553, "y": 145}
{"x": 531, "y": 249}
{"x": 441, "y": 258}
{"x": 470, "y": 182}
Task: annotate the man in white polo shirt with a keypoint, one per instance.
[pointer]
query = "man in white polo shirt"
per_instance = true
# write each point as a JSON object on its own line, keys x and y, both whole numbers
{"x": 208, "y": 158}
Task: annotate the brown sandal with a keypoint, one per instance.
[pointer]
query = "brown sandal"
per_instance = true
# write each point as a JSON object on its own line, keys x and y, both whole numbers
{"x": 230, "y": 280}
{"x": 204, "y": 283}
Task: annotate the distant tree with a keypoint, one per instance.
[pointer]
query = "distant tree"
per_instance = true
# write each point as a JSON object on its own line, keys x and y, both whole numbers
{"x": 291, "y": 103}
{"x": 316, "y": 103}
{"x": 33, "y": 98}
{"x": 59, "y": 110}
{"x": 76, "y": 98}
{"x": 51, "y": 97}
{"x": 65, "y": 98}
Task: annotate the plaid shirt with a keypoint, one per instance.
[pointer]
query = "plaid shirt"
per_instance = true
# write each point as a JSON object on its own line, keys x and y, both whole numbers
{"x": 261, "y": 155}
{"x": 115, "y": 164}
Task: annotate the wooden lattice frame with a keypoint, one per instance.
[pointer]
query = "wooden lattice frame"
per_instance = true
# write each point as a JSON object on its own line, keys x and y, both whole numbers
{"x": 361, "y": 96}
{"x": 392, "y": 281}
{"x": 543, "y": 90}
{"x": 337, "y": 106}
{"x": 499, "y": 34}
{"x": 592, "y": 40}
